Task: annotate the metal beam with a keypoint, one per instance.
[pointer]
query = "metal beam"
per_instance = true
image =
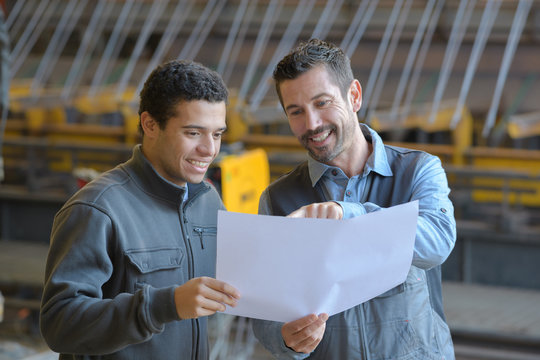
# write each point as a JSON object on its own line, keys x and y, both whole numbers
{"x": 379, "y": 58}
{"x": 461, "y": 22}
{"x": 299, "y": 17}
{"x": 488, "y": 18}
{"x": 388, "y": 60}
{"x": 101, "y": 14}
{"x": 520, "y": 18}
{"x": 148, "y": 26}
{"x": 176, "y": 22}
{"x": 413, "y": 52}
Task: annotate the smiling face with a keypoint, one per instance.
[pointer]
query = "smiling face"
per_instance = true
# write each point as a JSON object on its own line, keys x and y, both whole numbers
{"x": 322, "y": 120}
{"x": 182, "y": 151}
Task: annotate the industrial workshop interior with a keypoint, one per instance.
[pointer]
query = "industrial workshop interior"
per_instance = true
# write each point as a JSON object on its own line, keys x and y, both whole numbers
{"x": 459, "y": 79}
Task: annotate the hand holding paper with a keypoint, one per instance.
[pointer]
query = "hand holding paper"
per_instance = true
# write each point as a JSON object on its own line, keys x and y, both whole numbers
{"x": 286, "y": 268}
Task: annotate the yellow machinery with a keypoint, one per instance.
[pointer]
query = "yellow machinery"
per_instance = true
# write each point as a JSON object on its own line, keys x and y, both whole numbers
{"x": 44, "y": 144}
{"x": 243, "y": 179}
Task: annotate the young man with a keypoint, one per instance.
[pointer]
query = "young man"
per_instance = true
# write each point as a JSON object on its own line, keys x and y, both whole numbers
{"x": 350, "y": 172}
{"x": 132, "y": 254}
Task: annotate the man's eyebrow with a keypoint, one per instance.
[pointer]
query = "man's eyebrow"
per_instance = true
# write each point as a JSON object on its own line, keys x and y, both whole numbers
{"x": 199, "y": 127}
{"x": 313, "y": 98}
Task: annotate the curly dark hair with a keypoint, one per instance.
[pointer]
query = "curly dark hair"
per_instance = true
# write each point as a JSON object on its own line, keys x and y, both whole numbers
{"x": 308, "y": 55}
{"x": 176, "y": 81}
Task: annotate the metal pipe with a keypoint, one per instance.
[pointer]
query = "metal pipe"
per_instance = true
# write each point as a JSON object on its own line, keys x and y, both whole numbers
{"x": 461, "y": 21}
{"x": 298, "y": 19}
{"x": 411, "y": 89}
{"x": 31, "y": 33}
{"x": 270, "y": 16}
{"x": 354, "y": 24}
{"x": 146, "y": 31}
{"x": 388, "y": 60}
{"x": 114, "y": 44}
{"x": 201, "y": 29}
{"x": 413, "y": 51}
{"x": 18, "y": 21}
{"x": 14, "y": 13}
{"x": 91, "y": 34}
{"x": 379, "y": 57}
{"x": 326, "y": 19}
{"x": 240, "y": 11}
{"x": 358, "y": 32}
{"x": 488, "y": 18}
{"x": 208, "y": 24}
{"x": 178, "y": 17}
{"x": 239, "y": 40}
{"x": 520, "y": 18}
{"x": 69, "y": 18}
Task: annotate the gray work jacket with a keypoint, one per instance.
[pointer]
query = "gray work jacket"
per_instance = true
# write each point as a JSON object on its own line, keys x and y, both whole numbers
{"x": 119, "y": 247}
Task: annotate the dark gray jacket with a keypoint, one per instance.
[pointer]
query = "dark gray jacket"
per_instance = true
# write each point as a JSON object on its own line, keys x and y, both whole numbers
{"x": 119, "y": 247}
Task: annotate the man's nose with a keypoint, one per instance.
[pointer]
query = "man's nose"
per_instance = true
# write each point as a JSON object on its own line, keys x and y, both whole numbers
{"x": 207, "y": 146}
{"x": 313, "y": 120}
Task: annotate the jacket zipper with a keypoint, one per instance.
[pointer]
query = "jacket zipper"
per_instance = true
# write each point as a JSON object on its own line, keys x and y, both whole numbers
{"x": 199, "y": 231}
{"x": 191, "y": 266}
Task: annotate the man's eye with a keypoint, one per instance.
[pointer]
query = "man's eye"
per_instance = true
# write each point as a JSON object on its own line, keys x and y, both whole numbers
{"x": 192, "y": 133}
{"x": 323, "y": 103}
{"x": 218, "y": 135}
{"x": 295, "y": 112}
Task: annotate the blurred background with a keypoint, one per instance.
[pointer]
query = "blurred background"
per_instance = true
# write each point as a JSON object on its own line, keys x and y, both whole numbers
{"x": 459, "y": 79}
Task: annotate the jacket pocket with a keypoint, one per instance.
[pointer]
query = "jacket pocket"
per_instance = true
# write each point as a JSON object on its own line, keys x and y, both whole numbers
{"x": 205, "y": 234}
{"x": 399, "y": 340}
{"x": 158, "y": 267}
{"x": 149, "y": 260}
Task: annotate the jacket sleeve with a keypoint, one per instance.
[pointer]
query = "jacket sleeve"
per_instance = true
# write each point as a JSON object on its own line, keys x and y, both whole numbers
{"x": 74, "y": 317}
{"x": 436, "y": 228}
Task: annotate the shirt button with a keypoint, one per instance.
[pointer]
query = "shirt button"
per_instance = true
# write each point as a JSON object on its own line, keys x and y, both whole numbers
{"x": 334, "y": 172}
{"x": 348, "y": 192}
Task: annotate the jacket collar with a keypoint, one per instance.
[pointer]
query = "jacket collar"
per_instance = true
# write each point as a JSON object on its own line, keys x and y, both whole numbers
{"x": 377, "y": 161}
{"x": 150, "y": 181}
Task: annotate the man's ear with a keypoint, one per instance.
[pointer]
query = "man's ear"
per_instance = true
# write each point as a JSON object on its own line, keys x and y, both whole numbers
{"x": 149, "y": 125}
{"x": 355, "y": 95}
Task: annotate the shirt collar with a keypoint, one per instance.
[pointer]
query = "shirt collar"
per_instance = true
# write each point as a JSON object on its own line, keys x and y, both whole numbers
{"x": 377, "y": 161}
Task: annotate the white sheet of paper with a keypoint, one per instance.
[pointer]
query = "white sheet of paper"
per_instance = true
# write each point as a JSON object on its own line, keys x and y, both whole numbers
{"x": 287, "y": 268}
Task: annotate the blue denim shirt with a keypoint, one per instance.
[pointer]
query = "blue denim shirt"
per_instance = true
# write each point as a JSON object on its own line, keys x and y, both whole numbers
{"x": 435, "y": 239}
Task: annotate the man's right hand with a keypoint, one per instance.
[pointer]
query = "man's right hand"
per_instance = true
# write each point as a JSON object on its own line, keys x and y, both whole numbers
{"x": 303, "y": 335}
{"x": 203, "y": 296}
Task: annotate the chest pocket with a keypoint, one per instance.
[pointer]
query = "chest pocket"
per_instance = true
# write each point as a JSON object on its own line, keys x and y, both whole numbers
{"x": 206, "y": 235}
{"x": 157, "y": 267}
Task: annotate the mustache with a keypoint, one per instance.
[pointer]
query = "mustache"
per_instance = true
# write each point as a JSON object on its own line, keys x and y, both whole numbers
{"x": 317, "y": 131}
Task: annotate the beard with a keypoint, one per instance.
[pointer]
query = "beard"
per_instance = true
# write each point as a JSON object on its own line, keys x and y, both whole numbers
{"x": 344, "y": 138}
{"x": 324, "y": 153}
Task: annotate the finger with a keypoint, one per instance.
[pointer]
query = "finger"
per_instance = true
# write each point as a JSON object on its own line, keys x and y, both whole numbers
{"x": 218, "y": 296}
{"x": 312, "y": 211}
{"x": 308, "y": 338}
{"x": 334, "y": 211}
{"x": 308, "y": 345}
{"x": 222, "y": 287}
{"x": 299, "y": 324}
{"x": 299, "y": 213}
